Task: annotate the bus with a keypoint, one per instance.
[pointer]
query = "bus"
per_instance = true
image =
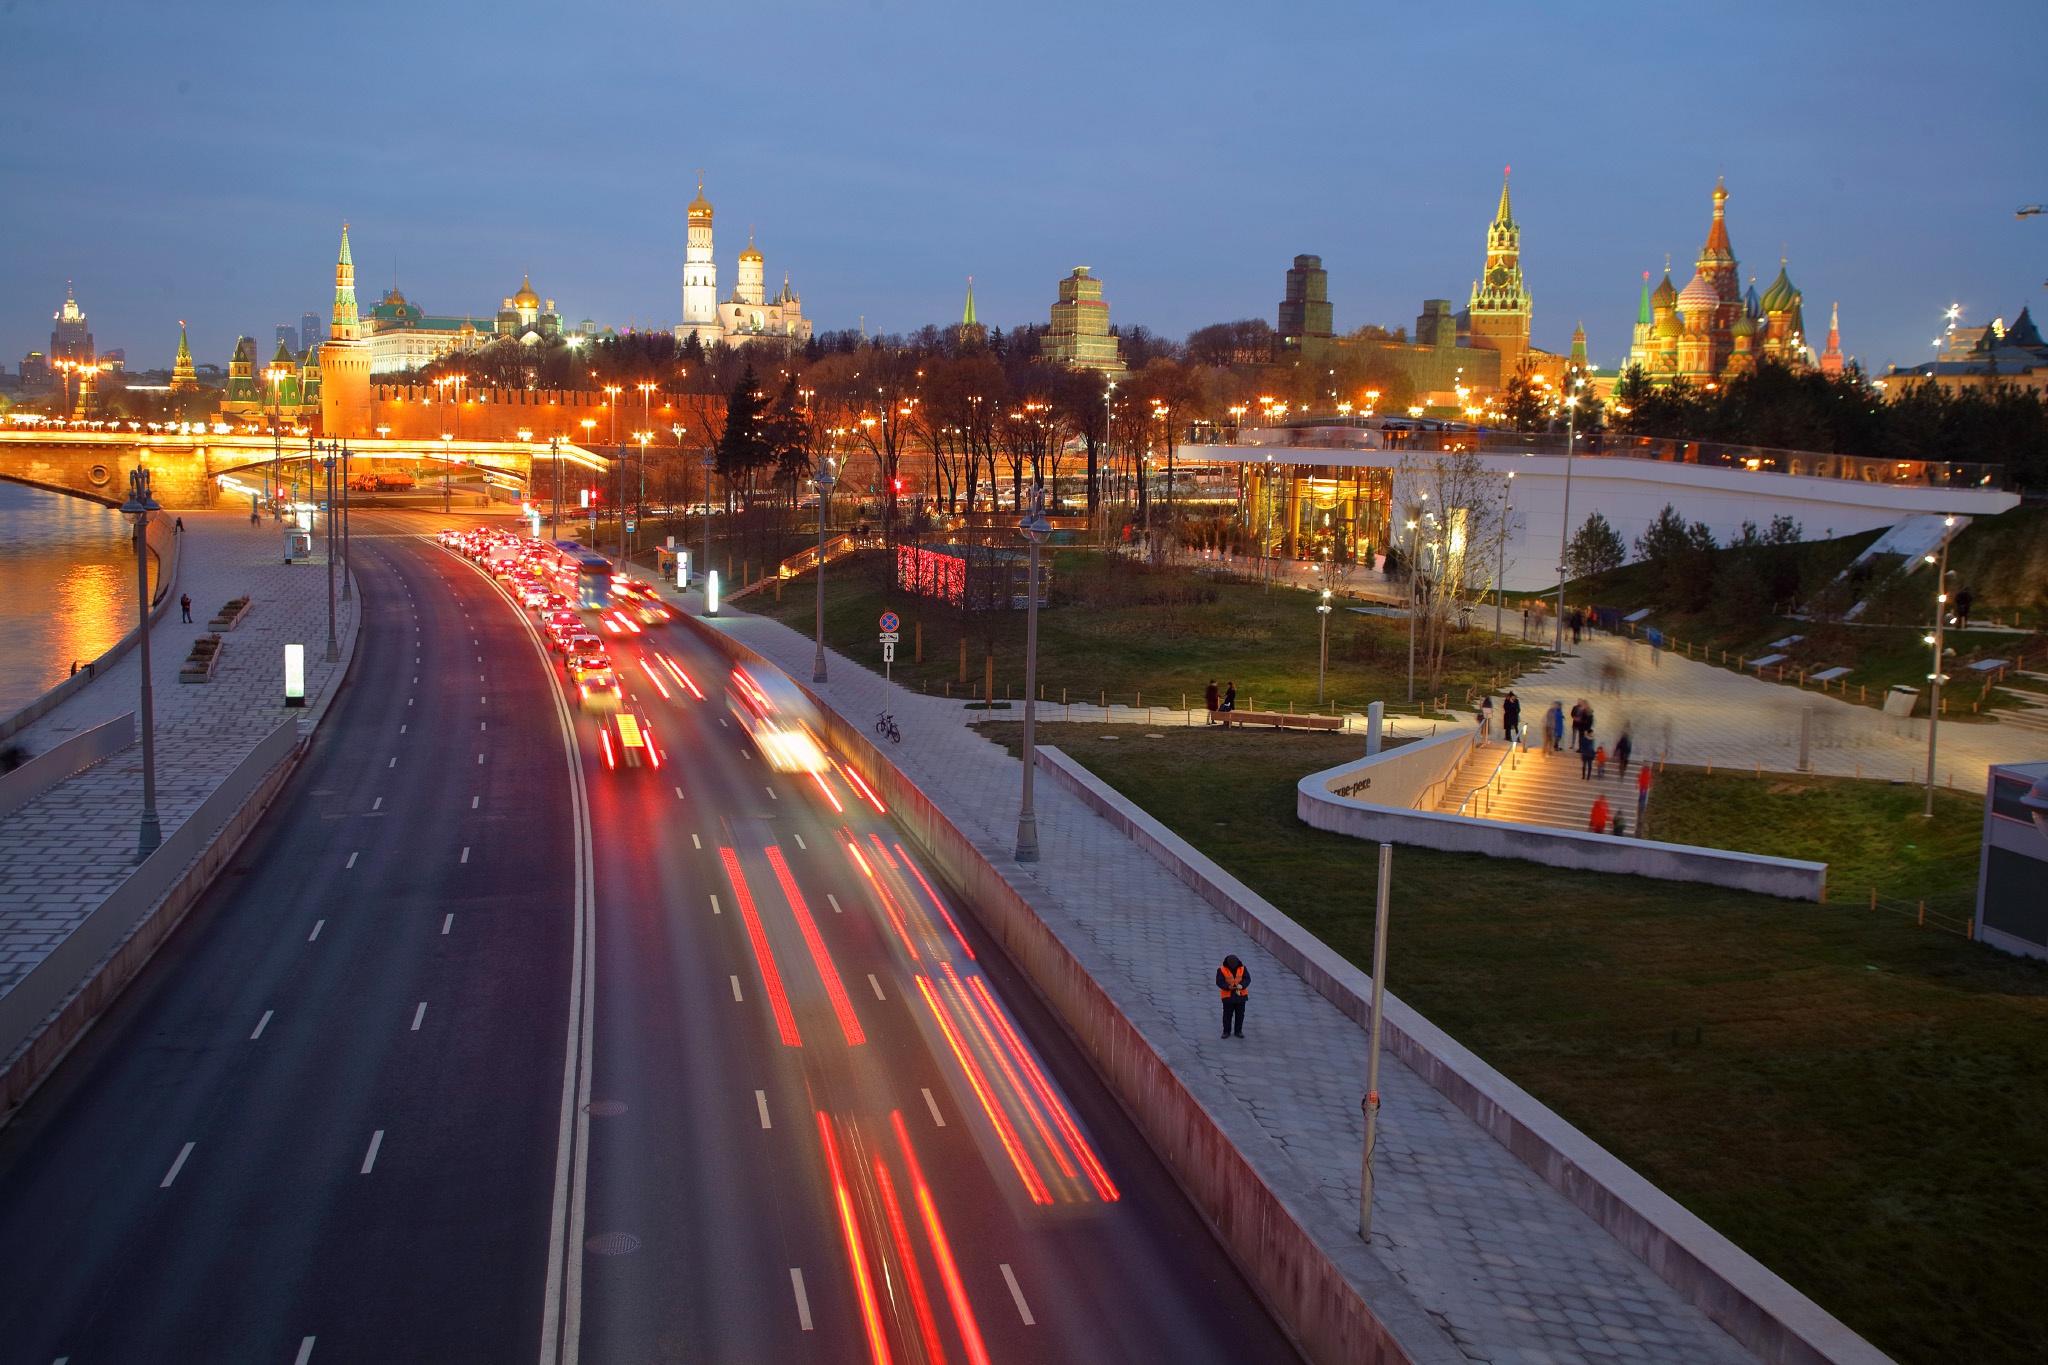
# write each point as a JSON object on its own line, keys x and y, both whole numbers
{"x": 583, "y": 576}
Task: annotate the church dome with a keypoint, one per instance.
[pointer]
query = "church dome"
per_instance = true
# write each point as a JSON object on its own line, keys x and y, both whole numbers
{"x": 1743, "y": 327}
{"x": 1698, "y": 295}
{"x": 1781, "y": 297}
{"x": 752, "y": 253}
{"x": 1667, "y": 326}
{"x": 525, "y": 298}
{"x": 1664, "y": 296}
{"x": 700, "y": 207}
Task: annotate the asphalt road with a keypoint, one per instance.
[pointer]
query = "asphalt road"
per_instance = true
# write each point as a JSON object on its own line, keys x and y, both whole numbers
{"x": 719, "y": 1074}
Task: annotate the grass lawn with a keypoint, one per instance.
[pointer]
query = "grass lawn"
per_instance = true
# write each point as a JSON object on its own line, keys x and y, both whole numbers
{"x": 1858, "y": 1102}
{"x": 1123, "y": 642}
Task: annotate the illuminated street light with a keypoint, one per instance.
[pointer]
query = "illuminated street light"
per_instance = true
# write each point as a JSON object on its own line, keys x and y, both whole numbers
{"x": 139, "y": 507}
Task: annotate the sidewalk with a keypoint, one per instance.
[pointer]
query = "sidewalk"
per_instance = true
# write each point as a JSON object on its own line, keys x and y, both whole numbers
{"x": 64, "y": 851}
{"x": 1504, "y": 1264}
{"x": 1684, "y": 711}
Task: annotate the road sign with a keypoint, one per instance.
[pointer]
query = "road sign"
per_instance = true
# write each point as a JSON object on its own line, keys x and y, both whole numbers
{"x": 890, "y": 637}
{"x": 891, "y": 622}
{"x": 888, "y": 651}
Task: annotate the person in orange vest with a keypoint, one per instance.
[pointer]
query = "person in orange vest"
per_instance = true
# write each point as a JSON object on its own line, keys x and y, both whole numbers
{"x": 1601, "y": 810}
{"x": 1233, "y": 979}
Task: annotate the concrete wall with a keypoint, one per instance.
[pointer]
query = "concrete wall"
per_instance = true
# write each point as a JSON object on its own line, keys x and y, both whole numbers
{"x": 1338, "y": 1302}
{"x": 1756, "y": 1307}
{"x": 60, "y": 761}
{"x": 1318, "y": 803}
{"x": 1403, "y": 777}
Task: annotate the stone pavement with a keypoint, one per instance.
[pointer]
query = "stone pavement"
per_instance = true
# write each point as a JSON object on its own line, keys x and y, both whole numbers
{"x": 61, "y": 853}
{"x": 1690, "y": 712}
{"x": 1511, "y": 1269}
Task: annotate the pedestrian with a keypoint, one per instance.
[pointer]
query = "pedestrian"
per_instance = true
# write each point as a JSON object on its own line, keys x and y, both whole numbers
{"x": 1598, "y": 823}
{"x": 1585, "y": 756}
{"x": 1620, "y": 825}
{"x": 1600, "y": 762}
{"x": 1211, "y": 698}
{"x": 1485, "y": 719}
{"x": 1963, "y": 600}
{"x": 1525, "y": 619}
{"x": 180, "y": 524}
{"x": 1229, "y": 701}
{"x": 1579, "y": 726}
{"x": 1622, "y": 747}
{"x": 185, "y": 605}
{"x": 1511, "y": 717}
{"x": 1586, "y": 715}
{"x": 1554, "y": 723}
{"x": 1642, "y": 797}
{"x": 1233, "y": 980}
{"x": 1578, "y": 624}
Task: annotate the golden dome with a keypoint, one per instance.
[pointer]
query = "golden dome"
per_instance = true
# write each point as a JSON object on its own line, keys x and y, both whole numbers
{"x": 752, "y": 253}
{"x": 525, "y": 298}
{"x": 700, "y": 207}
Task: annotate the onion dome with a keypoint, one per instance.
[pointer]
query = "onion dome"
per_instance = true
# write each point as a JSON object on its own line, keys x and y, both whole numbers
{"x": 1698, "y": 295}
{"x": 700, "y": 207}
{"x": 1664, "y": 296}
{"x": 1781, "y": 297}
{"x": 1743, "y": 327}
{"x": 752, "y": 253}
{"x": 1667, "y": 326}
{"x": 525, "y": 298}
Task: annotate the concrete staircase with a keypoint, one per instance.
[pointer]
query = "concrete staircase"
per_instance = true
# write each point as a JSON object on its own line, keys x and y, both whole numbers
{"x": 2030, "y": 690}
{"x": 1536, "y": 787}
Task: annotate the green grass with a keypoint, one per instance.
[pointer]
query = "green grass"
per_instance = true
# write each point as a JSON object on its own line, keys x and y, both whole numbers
{"x": 1856, "y": 1101}
{"x": 1117, "y": 645}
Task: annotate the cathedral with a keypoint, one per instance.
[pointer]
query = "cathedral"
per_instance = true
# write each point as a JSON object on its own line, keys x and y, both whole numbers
{"x": 749, "y": 315}
{"x": 1712, "y": 329}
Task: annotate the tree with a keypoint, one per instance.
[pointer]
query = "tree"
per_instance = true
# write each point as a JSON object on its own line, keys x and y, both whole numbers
{"x": 743, "y": 446}
{"x": 1460, "y": 519}
{"x": 1597, "y": 548}
{"x": 1681, "y": 560}
{"x": 1523, "y": 406}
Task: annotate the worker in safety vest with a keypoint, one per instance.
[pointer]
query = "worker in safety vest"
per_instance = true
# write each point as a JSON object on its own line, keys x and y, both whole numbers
{"x": 1233, "y": 979}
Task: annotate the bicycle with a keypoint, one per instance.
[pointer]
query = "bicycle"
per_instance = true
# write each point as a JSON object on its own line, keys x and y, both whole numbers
{"x": 885, "y": 724}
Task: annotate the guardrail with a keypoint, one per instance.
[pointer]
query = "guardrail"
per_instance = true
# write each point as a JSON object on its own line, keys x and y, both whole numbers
{"x": 61, "y": 761}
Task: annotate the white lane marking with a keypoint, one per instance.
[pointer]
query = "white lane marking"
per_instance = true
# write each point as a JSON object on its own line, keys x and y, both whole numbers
{"x": 483, "y": 701}
{"x": 479, "y": 677}
{"x": 352, "y": 859}
{"x": 479, "y": 658}
{"x": 803, "y": 1300}
{"x": 473, "y": 800}
{"x": 378, "y": 804}
{"x": 933, "y": 1105}
{"x": 402, "y": 729}
{"x": 714, "y": 905}
{"x": 479, "y": 760}
{"x": 316, "y": 930}
{"x": 483, "y": 725}
{"x": 835, "y": 903}
{"x": 393, "y": 763}
{"x": 177, "y": 1166}
{"x": 679, "y": 794}
{"x": 408, "y": 701}
{"x": 761, "y": 1103}
{"x": 877, "y": 985}
{"x": 305, "y": 1352}
{"x": 745, "y": 754}
{"x": 736, "y": 988}
{"x": 771, "y": 793}
{"x": 418, "y": 1015}
{"x": 261, "y": 1024}
{"x": 1023, "y": 1308}
{"x": 377, "y": 1140}
{"x": 448, "y": 923}
{"x": 465, "y": 853}
{"x": 801, "y": 844}
{"x": 696, "y": 841}
{"x": 721, "y": 721}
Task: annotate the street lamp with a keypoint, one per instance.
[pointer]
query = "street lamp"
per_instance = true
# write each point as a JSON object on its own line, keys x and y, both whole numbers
{"x": 1323, "y": 660}
{"x": 1035, "y": 529}
{"x": 1410, "y": 568}
{"x": 333, "y": 649}
{"x": 1935, "y": 678}
{"x": 1500, "y": 576}
{"x": 138, "y": 509}
{"x": 447, "y": 460}
{"x": 1571, "y": 441}
{"x": 822, "y": 481}
{"x": 710, "y": 599}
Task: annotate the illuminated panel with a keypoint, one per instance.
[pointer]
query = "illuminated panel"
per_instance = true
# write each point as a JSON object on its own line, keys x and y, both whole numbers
{"x": 1024, "y": 1100}
{"x": 841, "y": 1006}
{"x": 942, "y": 1250}
{"x": 870, "y": 1312}
{"x": 907, "y": 862}
{"x": 763, "y": 956}
{"x": 1034, "y": 1184}
{"x": 1097, "y": 1176}
{"x": 927, "y": 1325}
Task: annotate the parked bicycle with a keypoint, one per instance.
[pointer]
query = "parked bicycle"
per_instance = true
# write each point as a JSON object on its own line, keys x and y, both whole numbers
{"x": 885, "y": 724}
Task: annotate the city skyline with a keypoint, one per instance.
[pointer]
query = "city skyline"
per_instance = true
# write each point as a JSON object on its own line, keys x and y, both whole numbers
{"x": 1187, "y": 194}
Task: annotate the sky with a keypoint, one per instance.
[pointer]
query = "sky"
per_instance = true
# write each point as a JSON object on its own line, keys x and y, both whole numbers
{"x": 196, "y": 161}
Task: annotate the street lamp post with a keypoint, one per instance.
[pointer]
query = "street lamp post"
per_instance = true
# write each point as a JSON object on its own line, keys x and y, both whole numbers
{"x": 555, "y": 506}
{"x": 1323, "y": 658}
{"x": 1409, "y": 567}
{"x": 1371, "y": 1102}
{"x": 139, "y": 507}
{"x": 1035, "y": 529}
{"x": 823, "y": 482}
{"x": 1500, "y": 575}
{"x": 710, "y": 463}
{"x": 1935, "y": 678}
{"x": 347, "y": 595}
{"x": 1571, "y": 442}
{"x": 333, "y": 649}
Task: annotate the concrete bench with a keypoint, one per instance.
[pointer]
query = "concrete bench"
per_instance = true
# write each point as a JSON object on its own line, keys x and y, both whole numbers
{"x": 1277, "y": 719}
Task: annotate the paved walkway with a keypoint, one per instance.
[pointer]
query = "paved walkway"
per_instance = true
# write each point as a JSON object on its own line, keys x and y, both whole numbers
{"x": 1690, "y": 712}
{"x": 61, "y": 853}
{"x": 1505, "y": 1264}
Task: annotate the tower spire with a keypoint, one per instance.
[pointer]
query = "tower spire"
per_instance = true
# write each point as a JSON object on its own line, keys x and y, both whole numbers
{"x": 344, "y": 326}
{"x": 1643, "y": 305}
{"x": 1506, "y": 213}
{"x": 967, "y": 318}
{"x": 184, "y": 378}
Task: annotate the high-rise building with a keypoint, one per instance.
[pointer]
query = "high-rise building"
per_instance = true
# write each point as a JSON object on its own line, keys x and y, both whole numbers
{"x": 72, "y": 339}
{"x": 1500, "y": 306}
{"x": 311, "y": 333}
{"x": 1080, "y": 336}
{"x": 288, "y": 336}
{"x": 1305, "y": 313}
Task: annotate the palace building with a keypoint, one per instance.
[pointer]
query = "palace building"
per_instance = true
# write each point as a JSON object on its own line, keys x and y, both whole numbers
{"x": 749, "y": 315}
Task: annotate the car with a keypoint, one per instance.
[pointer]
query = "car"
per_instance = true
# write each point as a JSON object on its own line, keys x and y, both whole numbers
{"x": 627, "y": 742}
{"x": 581, "y": 663}
{"x": 600, "y": 691}
{"x": 557, "y": 602}
{"x": 533, "y": 595}
{"x": 560, "y": 627}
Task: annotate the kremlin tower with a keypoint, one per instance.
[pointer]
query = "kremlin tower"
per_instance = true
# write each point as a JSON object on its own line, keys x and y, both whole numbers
{"x": 184, "y": 377}
{"x": 345, "y": 357}
{"x": 1499, "y": 309}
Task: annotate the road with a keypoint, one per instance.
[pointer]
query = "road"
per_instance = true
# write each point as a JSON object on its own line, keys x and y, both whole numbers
{"x": 504, "y": 1053}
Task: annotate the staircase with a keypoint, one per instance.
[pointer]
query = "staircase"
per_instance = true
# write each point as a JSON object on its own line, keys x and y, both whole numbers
{"x": 1536, "y": 787}
{"x": 2030, "y": 690}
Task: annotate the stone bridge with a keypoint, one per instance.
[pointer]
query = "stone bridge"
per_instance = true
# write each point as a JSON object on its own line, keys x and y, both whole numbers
{"x": 190, "y": 469}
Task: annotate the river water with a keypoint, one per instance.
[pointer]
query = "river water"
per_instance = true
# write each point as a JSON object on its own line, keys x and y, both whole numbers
{"x": 67, "y": 588}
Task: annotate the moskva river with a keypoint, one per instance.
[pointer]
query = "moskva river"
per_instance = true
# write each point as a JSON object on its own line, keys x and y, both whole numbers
{"x": 67, "y": 588}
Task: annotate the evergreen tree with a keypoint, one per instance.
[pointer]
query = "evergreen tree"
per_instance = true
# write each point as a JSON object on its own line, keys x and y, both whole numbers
{"x": 743, "y": 446}
{"x": 1596, "y": 548}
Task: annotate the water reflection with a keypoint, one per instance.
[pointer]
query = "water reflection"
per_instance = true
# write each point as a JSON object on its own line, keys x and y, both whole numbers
{"x": 67, "y": 588}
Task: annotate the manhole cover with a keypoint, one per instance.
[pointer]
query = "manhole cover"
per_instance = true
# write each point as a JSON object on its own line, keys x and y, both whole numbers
{"x": 605, "y": 1109}
{"x": 613, "y": 1244}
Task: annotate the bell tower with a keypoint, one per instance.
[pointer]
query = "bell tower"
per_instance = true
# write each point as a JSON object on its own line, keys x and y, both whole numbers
{"x": 1500, "y": 305}
{"x": 700, "y": 273}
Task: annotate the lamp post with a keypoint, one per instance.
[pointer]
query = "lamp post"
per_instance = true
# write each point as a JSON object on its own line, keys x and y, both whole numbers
{"x": 347, "y": 594}
{"x": 138, "y": 508}
{"x": 1410, "y": 568}
{"x": 1500, "y": 576}
{"x": 822, "y": 481}
{"x": 1371, "y": 1102}
{"x": 333, "y": 649}
{"x": 1571, "y": 442}
{"x": 555, "y": 505}
{"x": 1035, "y": 529}
{"x": 1935, "y": 678}
{"x": 710, "y": 463}
{"x": 1323, "y": 657}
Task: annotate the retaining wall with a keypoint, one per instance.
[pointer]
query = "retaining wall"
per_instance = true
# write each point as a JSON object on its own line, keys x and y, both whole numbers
{"x": 54, "y": 764}
{"x": 1755, "y": 1306}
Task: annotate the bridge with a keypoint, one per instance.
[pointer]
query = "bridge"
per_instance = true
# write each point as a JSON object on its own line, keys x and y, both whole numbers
{"x": 195, "y": 466}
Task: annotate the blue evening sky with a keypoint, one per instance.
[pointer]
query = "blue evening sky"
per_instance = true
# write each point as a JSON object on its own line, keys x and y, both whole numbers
{"x": 196, "y": 160}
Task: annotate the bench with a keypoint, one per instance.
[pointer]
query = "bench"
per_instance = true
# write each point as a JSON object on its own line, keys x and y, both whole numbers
{"x": 1276, "y": 719}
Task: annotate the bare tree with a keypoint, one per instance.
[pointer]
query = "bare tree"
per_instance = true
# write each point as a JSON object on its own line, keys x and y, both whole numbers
{"x": 1453, "y": 507}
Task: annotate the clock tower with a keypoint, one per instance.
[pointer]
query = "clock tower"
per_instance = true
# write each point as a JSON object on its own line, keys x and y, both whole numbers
{"x": 1500, "y": 305}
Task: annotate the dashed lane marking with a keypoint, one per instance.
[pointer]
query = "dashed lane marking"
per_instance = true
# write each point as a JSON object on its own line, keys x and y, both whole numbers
{"x": 803, "y": 1300}
{"x": 316, "y": 930}
{"x": 418, "y": 1015}
{"x": 714, "y": 905}
{"x": 933, "y": 1105}
{"x": 1023, "y": 1308}
{"x": 176, "y": 1166}
{"x": 305, "y": 1351}
{"x": 473, "y": 800}
{"x": 377, "y": 1141}
{"x": 736, "y": 988}
{"x": 465, "y": 853}
{"x": 760, "y": 1103}
{"x": 352, "y": 859}
{"x": 835, "y": 903}
{"x": 448, "y": 923}
{"x": 877, "y": 985}
{"x": 261, "y": 1024}
{"x": 801, "y": 844}
{"x": 696, "y": 842}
